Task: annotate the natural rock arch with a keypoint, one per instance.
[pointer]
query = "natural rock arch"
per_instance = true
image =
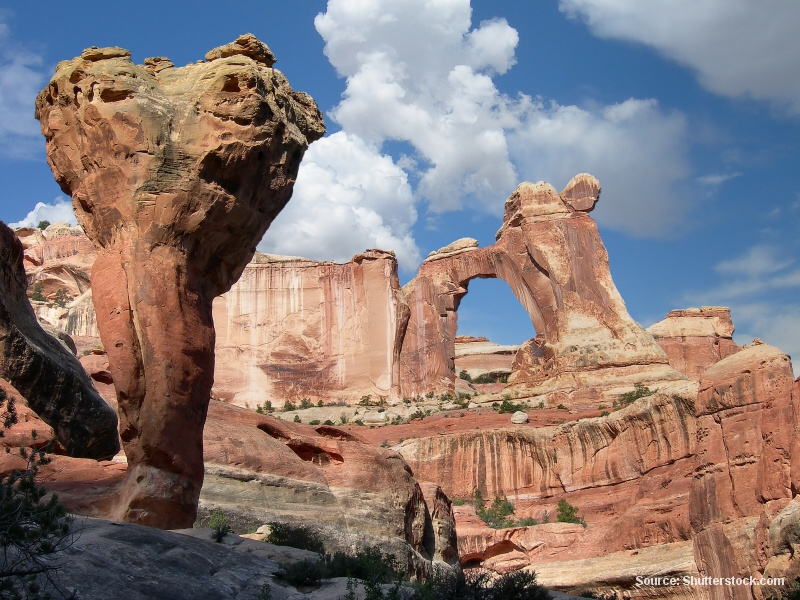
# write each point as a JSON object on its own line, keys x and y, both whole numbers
{"x": 550, "y": 253}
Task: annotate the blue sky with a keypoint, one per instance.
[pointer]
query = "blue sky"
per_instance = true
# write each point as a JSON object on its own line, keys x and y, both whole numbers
{"x": 688, "y": 112}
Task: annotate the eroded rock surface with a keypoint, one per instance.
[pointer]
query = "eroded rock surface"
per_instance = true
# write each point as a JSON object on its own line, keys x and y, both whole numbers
{"x": 292, "y": 328}
{"x": 695, "y": 338}
{"x": 44, "y": 371}
{"x": 550, "y": 253}
{"x": 175, "y": 174}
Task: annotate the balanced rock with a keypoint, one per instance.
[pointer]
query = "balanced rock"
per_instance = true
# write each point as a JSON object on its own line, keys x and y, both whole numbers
{"x": 519, "y": 417}
{"x": 44, "y": 371}
{"x": 175, "y": 174}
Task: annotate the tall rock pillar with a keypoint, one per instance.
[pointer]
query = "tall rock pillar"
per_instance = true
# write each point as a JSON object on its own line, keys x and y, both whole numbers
{"x": 175, "y": 174}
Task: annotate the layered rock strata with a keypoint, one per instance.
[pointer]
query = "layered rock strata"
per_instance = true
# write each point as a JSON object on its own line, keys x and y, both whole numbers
{"x": 710, "y": 470}
{"x": 46, "y": 373}
{"x": 695, "y": 338}
{"x": 550, "y": 253}
{"x": 292, "y": 328}
{"x": 175, "y": 174}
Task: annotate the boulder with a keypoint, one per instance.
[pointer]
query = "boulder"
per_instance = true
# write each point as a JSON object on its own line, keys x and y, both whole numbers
{"x": 519, "y": 417}
{"x": 44, "y": 371}
{"x": 175, "y": 174}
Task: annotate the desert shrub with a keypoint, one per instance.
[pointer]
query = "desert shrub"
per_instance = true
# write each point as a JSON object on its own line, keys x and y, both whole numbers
{"x": 639, "y": 391}
{"x": 61, "y": 298}
{"x": 561, "y": 407}
{"x": 604, "y": 413}
{"x": 359, "y": 422}
{"x": 297, "y": 419}
{"x": 296, "y": 536}
{"x": 43, "y": 224}
{"x": 458, "y": 502}
{"x": 500, "y": 513}
{"x": 485, "y": 378}
{"x": 314, "y": 422}
{"x": 527, "y": 522}
{"x": 508, "y": 407}
{"x": 37, "y": 294}
{"x": 343, "y": 419}
{"x": 327, "y": 422}
{"x": 289, "y": 405}
{"x": 219, "y": 525}
{"x": 463, "y": 374}
{"x": 567, "y": 513}
{"x": 32, "y": 532}
{"x": 305, "y": 403}
{"x": 417, "y": 414}
{"x": 480, "y": 585}
{"x": 504, "y": 379}
{"x": 430, "y": 395}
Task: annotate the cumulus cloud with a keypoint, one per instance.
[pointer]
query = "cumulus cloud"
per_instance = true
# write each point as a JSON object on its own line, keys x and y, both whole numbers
{"x": 760, "y": 286}
{"x": 736, "y": 47}
{"x": 348, "y": 197}
{"x": 21, "y": 78}
{"x": 636, "y": 151}
{"x": 419, "y": 73}
{"x": 416, "y": 72}
{"x": 59, "y": 210}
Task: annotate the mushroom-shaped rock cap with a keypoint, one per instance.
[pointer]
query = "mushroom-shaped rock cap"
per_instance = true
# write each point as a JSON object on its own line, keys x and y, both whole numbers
{"x": 246, "y": 45}
{"x": 582, "y": 192}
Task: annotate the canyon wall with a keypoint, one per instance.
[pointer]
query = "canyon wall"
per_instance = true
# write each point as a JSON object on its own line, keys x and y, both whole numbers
{"x": 292, "y": 328}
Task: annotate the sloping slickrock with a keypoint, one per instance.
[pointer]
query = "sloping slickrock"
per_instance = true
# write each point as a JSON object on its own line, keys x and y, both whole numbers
{"x": 550, "y": 253}
{"x": 44, "y": 372}
{"x": 695, "y": 338}
{"x": 292, "y": 328}
{"x": 175, "y": 174}
{"x": 263, "y": 469}
{"x": 479, "y": 356}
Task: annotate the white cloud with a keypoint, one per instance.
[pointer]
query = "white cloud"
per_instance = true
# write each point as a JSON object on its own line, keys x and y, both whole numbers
{"x": 21, "y": 79}
{"x": 760, "y": 288}
{"x": 417, "y": 72}
{"x": 348, "y": 197}
{"x": 635, "y": 150}
{"x": 713, "y": 180}
{"x": 60, "y": 210}
{"x": 736, "y": 47}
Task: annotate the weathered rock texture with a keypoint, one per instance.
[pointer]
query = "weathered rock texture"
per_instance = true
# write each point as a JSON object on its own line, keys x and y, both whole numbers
{"x": 716, "y": 467}
{"x": 175, "y": 174}
{"x": 695, "y": 338}
{"x": 550, "y": 253}
{"x": 44, "y": 372}
{"x": 479, "y": 356}
{"x": 292, "y": 328}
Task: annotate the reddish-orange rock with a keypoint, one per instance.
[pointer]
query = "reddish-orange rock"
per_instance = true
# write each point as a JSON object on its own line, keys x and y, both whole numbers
{"x": 695, "y": 338}
{"x": 292, "y": 328}
{"x": 175, "y": 174}
{"x": 44, "y": 371}
{"x": 550, "y": 253}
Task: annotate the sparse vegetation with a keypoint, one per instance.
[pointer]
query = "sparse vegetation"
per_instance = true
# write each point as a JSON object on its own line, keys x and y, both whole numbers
{"x": 289, "y": 405}
{"x": 500, "y": 514}
{"x": 508, "y": 407}
{"x": 314, "y": 422}
{"x": 265, "y": 409}
{"x": 305, "y": 403}
{"x": 297, "y": 419}
{"x": 567, "y": 513}
{"x": 37, "y": 293}
{"x": 43, "y": 224}
{"x": 31, "y": 531}
{"x": 639, "y": 391}
{"x": 219, "y": 525}
{"x": 561, "y": 407}
{"x": 327, "y": 422}
{"x": 61, "y": 297}
{"x": 463, "y": 374}
{"x": 296, "y": 536}
{"x": 320, "y": 403}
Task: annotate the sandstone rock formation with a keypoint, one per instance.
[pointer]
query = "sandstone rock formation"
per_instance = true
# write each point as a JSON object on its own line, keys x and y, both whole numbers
{"x": 479, "y": 356}
{"x": 550, "y": 253}
{"x": 695, "y": 338}
{"x": 292, "y": 328}
{"x": 44, "y": 372}
{"x": 175, "y": 174}
{"x": 711, "y": 474}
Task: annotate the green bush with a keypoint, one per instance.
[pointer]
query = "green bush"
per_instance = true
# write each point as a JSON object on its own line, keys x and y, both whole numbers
{"x": 639, "y": 391}
{"x": 561, "y": 407}
{"x": 37, "y": 294}
{"x": 486, "y": 378}
{"x": 508, "y": 407}
{"x": 296, "y": 536}
{"x": 314, "y": 422}
{"x": 31, "y": 531}
{"x": 43, "y": 224}
{"x": 305, "y": 403}
{"x": 219, "y": 525}
{"x": 327, "y": 422}
{"x": 500, "y": 514}
{"x": 463, "y": 374}
{"x": 297, "y": 419}
{"x": 567, "y": 513}
{"x": 480, "y": 585}
{"x": 289, "y": 405}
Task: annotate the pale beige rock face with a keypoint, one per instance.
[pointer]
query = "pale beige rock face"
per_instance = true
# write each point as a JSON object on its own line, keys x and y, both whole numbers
{"x": 293, "y": 328}
{"x": 695, "y": 338}
{"x": 479, "y": 356}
